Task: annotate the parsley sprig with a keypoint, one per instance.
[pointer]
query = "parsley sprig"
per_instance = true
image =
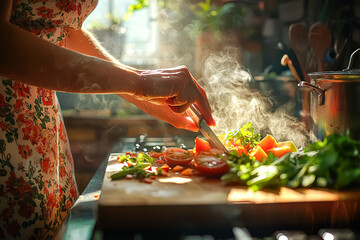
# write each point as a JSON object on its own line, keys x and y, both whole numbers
{"x": 136, "y": 169}
{"x": 244, "y": 135}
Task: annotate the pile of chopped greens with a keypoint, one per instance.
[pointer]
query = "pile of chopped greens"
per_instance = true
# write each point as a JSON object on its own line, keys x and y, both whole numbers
{"x": 333, "y": 162}
{"x": 136, "y": 166}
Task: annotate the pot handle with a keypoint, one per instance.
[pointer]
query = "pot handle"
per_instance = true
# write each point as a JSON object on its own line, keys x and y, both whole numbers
{"x": 351, "y": 61}
{"x": 321, "y": 93}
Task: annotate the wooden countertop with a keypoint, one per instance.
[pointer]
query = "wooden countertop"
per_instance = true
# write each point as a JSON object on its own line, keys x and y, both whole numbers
{"x": 202, "y": 202}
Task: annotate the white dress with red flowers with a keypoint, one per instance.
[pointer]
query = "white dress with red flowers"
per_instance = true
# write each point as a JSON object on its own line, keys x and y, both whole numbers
{"x": 37, "y": 184}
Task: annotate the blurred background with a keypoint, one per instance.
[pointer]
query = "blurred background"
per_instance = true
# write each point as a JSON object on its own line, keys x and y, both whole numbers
{"x": 150, "y": 34}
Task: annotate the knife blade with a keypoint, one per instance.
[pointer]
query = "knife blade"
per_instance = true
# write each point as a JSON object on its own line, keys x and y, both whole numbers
{"x": 205, "y": 129}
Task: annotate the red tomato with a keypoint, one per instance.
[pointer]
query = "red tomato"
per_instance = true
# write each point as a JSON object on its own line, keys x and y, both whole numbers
{"x": 159, "y": 161}
{"x": 201, "y": 145}
{"x": 165, "y": 167}
{"x": 208, "y": 163}
{"x": 154, "y": 154}
{"x": 178, "y": 156}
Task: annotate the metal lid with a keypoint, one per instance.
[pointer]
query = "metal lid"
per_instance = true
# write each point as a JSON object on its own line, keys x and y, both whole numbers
{"x": 347, "y": 74}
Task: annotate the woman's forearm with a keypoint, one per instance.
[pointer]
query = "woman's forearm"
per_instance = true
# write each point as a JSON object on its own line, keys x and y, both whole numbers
{"x": 29, "y": 59}
{"x": 81, "y": 40}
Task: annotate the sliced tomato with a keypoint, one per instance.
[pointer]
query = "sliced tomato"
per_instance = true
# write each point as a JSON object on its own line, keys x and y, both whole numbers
{"x": 154, "y": 154}
{"x": 201, "y": 145}
{"x": 165, "y": 167}
{"x": 159, "y": 161}
{"x": 178, "y": 156}
{"x": 210, "y": 164}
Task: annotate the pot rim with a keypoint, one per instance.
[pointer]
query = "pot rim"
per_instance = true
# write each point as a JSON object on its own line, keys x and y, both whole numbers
{"x": 349, "y": 75}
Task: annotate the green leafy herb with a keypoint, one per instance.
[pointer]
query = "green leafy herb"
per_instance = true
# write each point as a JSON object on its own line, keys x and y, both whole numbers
{"x": 333, "y": 162}
{"x": 139, "y": 158}
{"x": 244, "y": 135}
{"x": 137, "y": 168}
{"x": 137, "y": 171}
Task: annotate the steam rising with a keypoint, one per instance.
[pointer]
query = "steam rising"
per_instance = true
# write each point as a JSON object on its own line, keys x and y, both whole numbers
{"x": 234, "y": 103}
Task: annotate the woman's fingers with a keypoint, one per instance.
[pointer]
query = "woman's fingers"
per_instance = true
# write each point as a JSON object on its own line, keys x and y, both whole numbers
{"x": 176, "y": 88}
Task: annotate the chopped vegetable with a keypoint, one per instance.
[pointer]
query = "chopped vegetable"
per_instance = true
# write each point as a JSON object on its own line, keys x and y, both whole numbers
{"x": 201, "y": 145}
{"x": 211, "y": 163}
{"x": 165, "y": 167}
{"x": 288, "y": 143}
{"x": 241, "y": 150}
{"x": 258, "y": 153}
{"x": 280, "y": 151}
{"x": 177, "y": 168}
{"x": 267, "y": 142}
{"x": 154, "y": 154}
{"x": 178, "y": 156}
{"x": 187, "y": 172}
{"x": 137, "y": 171}
{"x": 159, "y": 161}
{"x": 245, "y": 135}
{"x": 135, "y": 166}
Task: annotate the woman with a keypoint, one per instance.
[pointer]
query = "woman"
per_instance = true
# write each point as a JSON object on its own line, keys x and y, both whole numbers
{"x": 43, "y": 49}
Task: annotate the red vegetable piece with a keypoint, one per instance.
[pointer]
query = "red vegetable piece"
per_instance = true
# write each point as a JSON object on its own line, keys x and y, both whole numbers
{"x": 201, "y": 145}
{"x": 280, "y": 151}
{"x": 165, "y": 167}
{"x": 258, "y": 153}
{"x": 178, "y": 156}
{"x": 267, "y": 142}
{"x": 209, "y": 163}
{"x": 159, "y": 161}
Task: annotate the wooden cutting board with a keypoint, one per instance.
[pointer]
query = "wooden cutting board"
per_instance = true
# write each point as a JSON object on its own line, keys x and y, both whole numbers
{"x": 183, "y": 202}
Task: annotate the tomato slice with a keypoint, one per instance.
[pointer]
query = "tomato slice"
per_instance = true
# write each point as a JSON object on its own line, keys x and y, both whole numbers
{"x": 208, "y": 163}
{"x": 154, "y": 154}
{"x": 201, "y": 145}
{"x": 178, "y": 156}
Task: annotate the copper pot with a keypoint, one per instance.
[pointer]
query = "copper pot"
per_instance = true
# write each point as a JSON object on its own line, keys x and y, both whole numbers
{"x": 335, "y": 101}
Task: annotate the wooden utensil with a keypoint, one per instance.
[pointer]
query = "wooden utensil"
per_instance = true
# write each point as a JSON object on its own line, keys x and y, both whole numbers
{"x": 298, "y": 35}
{"x": 320, "y": 42}
{"x": 285, "y": 60}
{"x": 292, "y": 57}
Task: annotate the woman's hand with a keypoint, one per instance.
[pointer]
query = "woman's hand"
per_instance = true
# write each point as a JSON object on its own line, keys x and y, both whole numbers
{"x": 164, "y": 113}
{"x": 171, "y": 91}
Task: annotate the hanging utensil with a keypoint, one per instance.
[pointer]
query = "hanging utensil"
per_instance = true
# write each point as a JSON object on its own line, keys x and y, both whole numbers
{"x": 286, "y": 61}
{"x": 291, "y": 57}
{"x": 320, "y": 42}
{"x": 298, "y": 35}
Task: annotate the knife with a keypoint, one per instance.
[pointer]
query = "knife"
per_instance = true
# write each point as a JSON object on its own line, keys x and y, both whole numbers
{"x": 205, "y": 130}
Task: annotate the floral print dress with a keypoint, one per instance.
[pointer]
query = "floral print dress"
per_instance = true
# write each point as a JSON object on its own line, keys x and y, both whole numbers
{"x": 37, "y": 184}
